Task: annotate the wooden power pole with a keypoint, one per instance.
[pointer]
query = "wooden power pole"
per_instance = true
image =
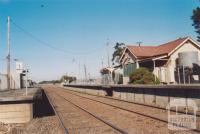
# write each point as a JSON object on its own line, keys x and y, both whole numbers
{"x": 108, "y": 54}
{"x": 8, "y": 56}
{"x": 85, "y": 71}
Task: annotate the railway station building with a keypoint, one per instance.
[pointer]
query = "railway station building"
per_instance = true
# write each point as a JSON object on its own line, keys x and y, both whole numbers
{"x": 174, "y": 62}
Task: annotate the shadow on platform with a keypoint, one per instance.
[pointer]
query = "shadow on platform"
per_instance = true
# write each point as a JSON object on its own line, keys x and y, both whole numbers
{"x": 42, "y": 107}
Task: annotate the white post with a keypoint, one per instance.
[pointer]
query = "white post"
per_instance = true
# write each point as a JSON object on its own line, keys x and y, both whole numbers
{"x": 26, "y": 81}
{"x": 137, "y": 64}
{"x": 26, "y": 73}
{"x": 183, "y": 74}
{"x": 179, "y": 80}
{"x": 154, "y": 66}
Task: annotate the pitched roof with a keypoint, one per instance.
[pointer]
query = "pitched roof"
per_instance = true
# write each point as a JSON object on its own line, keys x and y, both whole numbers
{"x": 142, "y": 52}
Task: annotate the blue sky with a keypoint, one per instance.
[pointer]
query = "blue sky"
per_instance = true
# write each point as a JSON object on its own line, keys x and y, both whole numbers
{"x": 81, "y": 28}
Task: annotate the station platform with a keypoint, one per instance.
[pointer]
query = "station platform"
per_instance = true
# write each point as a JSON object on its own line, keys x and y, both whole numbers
{"x": 16, "y": 106}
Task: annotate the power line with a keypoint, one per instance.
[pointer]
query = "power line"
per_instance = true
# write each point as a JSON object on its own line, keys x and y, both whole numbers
{"x": 48, "y": 44}
{"x": 35, "y": 38}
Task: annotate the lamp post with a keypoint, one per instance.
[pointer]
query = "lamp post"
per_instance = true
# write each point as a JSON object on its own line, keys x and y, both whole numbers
{"x": 26, "y": 81}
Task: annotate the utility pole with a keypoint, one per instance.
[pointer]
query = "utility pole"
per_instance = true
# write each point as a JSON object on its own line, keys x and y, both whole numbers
{"x": 102, "y": 63}
{"x": 8, "y": 56}
{"x": 85, "y": 71}
{"x": 108, "y": 54}
{"x": 79, "y": 66}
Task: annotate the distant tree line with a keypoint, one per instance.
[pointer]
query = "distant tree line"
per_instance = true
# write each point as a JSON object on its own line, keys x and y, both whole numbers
{"x": 64, "y": 78}
{"x": 50, "y": 82}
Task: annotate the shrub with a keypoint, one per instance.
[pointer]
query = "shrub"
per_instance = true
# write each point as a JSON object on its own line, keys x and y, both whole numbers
{"x": 143, "y": 76}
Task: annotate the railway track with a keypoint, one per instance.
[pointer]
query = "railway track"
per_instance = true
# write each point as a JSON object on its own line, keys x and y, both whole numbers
{"x": 62, "y": 122}
{"x": 132, "y": 111}
{"x": 149, "y": 109}
{"x": 134, "y": 103}
{"x": 72, "y": 97}
{"x": 63, "y": 127}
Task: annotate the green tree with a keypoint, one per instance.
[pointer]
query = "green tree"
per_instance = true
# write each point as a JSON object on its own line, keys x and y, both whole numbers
{"x": 196, "y": 21}
{"x": 67, "y": 78}
{"x": 119, "y": 47}
{"x": 143, "y": 76}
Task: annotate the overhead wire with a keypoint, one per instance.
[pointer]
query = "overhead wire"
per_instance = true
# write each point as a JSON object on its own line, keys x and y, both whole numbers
{"x": 44, "y": 43}
{"x": 48, "y": 44}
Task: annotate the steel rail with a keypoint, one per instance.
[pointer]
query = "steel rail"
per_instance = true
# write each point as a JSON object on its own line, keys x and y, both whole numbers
{"x": 95, "y": 116}
{"x": 128, "y": 110}
{"x": 57, "y": 114}
{"x": 118, "y": 107}
{"x": 131, "y": 102}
